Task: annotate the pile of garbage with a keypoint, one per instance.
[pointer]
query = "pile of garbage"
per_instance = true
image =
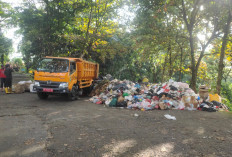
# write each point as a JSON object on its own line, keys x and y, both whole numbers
{"x": 210, "y": 102}
{"x": 147, "y": 96}
{"x": 22, "y": 86}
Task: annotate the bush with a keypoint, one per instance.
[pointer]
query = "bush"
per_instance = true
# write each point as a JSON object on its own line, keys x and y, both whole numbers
{"x": 226, "y": 93}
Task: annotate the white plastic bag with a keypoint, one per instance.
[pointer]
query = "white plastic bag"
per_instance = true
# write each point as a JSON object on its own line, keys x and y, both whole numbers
{"x": 107, "y": 102}
{"x": 170, "y": 117}
{"x": 32, "y": 89}
{"x": 21, "y": 82}
{"x": 130, "y": 98}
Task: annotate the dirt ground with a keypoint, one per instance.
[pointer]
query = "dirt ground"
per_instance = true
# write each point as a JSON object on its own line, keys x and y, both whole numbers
{"x": 58, "y": 127}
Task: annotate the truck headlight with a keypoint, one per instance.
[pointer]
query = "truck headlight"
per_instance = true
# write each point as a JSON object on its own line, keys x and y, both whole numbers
{"x": 37, "y": 83}
{"x": 63, "y": 85}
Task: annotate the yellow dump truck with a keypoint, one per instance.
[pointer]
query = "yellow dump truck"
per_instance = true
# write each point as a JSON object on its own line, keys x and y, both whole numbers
{"x": 64, "y": 76}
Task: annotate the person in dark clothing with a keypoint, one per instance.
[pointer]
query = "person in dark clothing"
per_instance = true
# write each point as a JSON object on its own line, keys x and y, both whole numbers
{"x": 3, "y": 78}
{"x": 8, "y": 73}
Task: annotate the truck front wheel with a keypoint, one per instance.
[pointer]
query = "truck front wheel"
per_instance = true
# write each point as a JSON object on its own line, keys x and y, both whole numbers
{"x": 73, "y": 95}
{"x": 42, "y": 95}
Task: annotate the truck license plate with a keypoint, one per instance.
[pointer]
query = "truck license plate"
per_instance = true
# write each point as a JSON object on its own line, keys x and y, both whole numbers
{"x": 47, "y": 90}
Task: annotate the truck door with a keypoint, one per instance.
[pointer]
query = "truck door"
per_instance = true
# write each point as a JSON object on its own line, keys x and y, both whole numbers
{"x": 73, "y": 74}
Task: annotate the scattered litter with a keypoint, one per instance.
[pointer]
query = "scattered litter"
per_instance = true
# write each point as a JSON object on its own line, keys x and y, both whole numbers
{"x": 220, "y": 138}
{"x": 29, "y": 141}
{"x": 170, "y": 117}
{"x": 136, "y": 115}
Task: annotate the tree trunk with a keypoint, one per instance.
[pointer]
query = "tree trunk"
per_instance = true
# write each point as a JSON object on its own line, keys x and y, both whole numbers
{"x": 193, "y": 83}
{"x": 48, "y": 26}
{"x": 88, "y": 26}
{"x": 190, "y": 25}
{"x": 27, "y": 67}
{"x": 190, "y": 22}
{"x": 193, "y": 67}
{"x": 170, "y": 61}
{"x": 222, "y": 55}
{"x": 164, "y": 68}
{"x": 181, "y": 60}
{"x": 154, "y": 74}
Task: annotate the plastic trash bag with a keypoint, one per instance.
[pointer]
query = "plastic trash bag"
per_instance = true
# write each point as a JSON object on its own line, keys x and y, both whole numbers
{"x": 32, "y": 89}
{"x": 113, "y": 102}
{"x": 170, "y": 117}
{"x": 130, "y": 98}
{"x": 107, "y": 102}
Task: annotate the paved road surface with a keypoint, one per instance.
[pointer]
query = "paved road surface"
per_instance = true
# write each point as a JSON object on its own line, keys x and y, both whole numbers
{"x": 58, "y": 127}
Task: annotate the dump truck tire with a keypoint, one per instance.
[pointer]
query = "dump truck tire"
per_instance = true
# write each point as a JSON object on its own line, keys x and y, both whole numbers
{"x": 73, "y": 95}
{"x": 42, "y": 95}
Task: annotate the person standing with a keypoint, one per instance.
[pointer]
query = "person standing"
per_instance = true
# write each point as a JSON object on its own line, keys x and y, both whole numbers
{"x": 3, "y": 78}
{"x": 8, "y": 73}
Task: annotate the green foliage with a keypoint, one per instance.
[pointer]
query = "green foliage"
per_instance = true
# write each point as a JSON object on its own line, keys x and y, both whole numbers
{"x": 163, "y": 32}
{"x": 159, "y": 40}
{"x": 212, "y": 61}
{"x": 17, "y": 61}
{"x": 68, "y": 28}
{"x": 6, "y": 13}
{"x": 227, "y": 94}
{"x": 5, "y": 47}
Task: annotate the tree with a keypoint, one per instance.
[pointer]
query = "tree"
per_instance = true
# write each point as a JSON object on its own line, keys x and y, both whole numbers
{"x": 226, "y": 32}
{"x": 68, "y": 28}
{"x": 195, "y": 20}
{"x": 165, "y": 26}
{"x": 5, "y": 46}
{"x": 159, "y": 38}
{"x": 6, "y": 13}
{"x": 5, "y": 43}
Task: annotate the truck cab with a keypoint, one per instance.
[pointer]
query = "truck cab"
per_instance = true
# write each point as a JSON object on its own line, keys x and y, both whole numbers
{"x": 64, "y": 76}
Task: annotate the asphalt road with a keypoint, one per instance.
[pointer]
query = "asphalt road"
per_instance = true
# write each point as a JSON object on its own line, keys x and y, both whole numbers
{"x": 58, "y": 127}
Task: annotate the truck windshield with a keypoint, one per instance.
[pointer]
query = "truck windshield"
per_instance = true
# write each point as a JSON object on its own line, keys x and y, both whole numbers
{"x": 53, "y": 65}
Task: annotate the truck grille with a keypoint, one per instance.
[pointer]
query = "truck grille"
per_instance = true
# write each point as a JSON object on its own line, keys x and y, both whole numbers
{"x": 48, "y": 84}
